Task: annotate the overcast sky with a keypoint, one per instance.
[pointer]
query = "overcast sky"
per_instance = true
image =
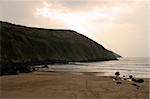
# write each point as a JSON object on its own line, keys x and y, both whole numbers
{"x": 119, "y": 25}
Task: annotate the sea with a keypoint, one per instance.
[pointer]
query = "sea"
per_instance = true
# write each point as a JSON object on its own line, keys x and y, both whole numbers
{"x": 138, "y": 67}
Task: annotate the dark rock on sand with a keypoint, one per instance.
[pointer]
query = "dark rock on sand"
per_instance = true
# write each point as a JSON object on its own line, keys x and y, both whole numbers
{"x": 130, "y": 76}
{"x": 137, "y": 86}
{"x": 138, "y": 80}
{"x": 133, "y": 79}
{"x": 118, "y": 82}
{"x": 117, "y": 73}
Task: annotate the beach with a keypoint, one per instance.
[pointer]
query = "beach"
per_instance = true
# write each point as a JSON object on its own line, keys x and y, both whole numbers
{"x": 69, "y": 85}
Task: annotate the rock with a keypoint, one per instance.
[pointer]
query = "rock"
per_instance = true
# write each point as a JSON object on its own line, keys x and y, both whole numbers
{"x": 140, "y": 81}
{"x": 130, "y": 76}
{"x": 133, "y": 79}
{"x": 125, "y": 79}
{"x": 135, "y": 85}
{"x": 117, "y": 73}
{"x": 118, "y": 82}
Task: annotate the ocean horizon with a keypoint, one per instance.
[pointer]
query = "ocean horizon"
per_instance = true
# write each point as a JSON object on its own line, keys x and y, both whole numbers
{"x": 138, "y": 67}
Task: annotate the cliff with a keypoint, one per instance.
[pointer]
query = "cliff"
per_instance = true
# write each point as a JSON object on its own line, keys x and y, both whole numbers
{"x": 21, "y": 44}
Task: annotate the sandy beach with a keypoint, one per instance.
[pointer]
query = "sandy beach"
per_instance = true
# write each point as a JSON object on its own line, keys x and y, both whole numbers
{"x": 66, "y": 85}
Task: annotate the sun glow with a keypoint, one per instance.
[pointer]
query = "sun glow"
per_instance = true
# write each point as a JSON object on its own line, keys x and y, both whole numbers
{"x": 82, "y": 22}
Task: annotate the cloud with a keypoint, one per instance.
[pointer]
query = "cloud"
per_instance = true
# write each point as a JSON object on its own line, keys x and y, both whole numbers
{"x": 82, "y": 21}
{"x": 17, "y": 11}
{"x": 117, "y": 24}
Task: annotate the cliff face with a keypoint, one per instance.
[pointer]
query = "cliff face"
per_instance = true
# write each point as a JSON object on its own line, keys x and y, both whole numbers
{"x": 20, "y": 44}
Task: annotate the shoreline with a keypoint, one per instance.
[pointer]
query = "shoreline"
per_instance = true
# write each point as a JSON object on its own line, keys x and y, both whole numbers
{"x": 69, "y": 85}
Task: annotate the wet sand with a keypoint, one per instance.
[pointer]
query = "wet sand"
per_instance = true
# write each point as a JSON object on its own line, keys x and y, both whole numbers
{"x": 65, "y": 85}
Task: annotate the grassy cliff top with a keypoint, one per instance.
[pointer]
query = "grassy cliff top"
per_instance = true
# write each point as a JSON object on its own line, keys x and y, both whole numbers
{"x": 29, "y": 45}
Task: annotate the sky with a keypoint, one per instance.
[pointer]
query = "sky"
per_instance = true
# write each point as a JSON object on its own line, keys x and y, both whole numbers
{"x": 118, "y": 25}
